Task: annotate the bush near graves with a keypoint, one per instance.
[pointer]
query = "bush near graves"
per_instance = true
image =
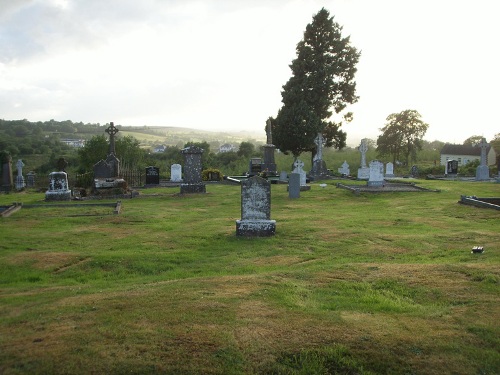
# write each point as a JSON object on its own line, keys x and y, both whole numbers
{"x": 469, "y": 169}
{"x": 211, "y": 174}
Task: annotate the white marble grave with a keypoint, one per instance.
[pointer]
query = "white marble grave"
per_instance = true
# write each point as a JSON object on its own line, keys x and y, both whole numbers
{"x": 376, "y": 173}
{"x": 176, "y": 173}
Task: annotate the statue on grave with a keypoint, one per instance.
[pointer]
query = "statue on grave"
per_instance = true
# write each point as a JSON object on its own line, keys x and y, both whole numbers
{"x": 318, "y": 141}
{"x": 269, "y": 133}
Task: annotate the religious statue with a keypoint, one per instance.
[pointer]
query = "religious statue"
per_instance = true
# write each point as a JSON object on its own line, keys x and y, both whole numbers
{"x": 269, "y": 132}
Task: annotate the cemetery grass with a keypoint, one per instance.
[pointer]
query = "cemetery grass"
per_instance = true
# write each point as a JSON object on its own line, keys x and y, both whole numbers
{"x": 368, "y": 284}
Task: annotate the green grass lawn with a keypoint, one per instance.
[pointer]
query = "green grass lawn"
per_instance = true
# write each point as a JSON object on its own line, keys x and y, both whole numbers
{"x": 368, "y": 284}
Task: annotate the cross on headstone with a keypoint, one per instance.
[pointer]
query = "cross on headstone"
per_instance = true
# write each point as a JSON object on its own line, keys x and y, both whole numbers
{"x": 269, "y": 134}
{"x": 111, "y": 130}
{"x": 484, "y": 145}
{"x": 319, "y": 147}
{"x": 19, "y": 166}
{"x": 363, "y": 148}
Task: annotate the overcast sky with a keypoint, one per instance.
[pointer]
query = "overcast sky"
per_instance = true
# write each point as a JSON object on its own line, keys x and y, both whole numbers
{"x": 221, "y": 64}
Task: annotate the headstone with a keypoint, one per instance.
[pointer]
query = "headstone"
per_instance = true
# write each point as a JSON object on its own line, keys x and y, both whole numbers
{"x": 176, "y": 173}
{"x": 389, "y": 170}
{"x": 152, "y": 175}
{"x": 20, "y": 184}
{"x": 254, "y": 166}
{"x": 192, "y": 171}
{"x": 7, "y": 182}
{"x": 294, "y": 186}
{"x": 255, "y": 209}
{"x": 298, "y": 166}
{"x": 283, "y": 176}
{"x": 344, "y": 170}
{"x": 414, "y": 171}
{"x": 451, "y": 167}
{"x": 319, "y": 169}
{"x": 376, "y": 173}
{"x": 107, "y": 172}
{"x": 58, "y": 187}
{"x": 31, "y": 179}
{"x": 483, "y": 171}
{"x": 363, "y": 170}
{"x": 109, "y": 168}
{"x": 269, "y": 165}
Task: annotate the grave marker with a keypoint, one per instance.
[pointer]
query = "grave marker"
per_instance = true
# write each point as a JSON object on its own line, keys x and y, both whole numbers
{"x": 255, "y": 209}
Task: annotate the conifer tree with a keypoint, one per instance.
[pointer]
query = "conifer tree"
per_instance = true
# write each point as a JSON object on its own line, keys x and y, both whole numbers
{"x": 322, "y": 83}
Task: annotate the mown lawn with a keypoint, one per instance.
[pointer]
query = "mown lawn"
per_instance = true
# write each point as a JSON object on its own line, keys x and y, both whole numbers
{"x": 368, "y": 284}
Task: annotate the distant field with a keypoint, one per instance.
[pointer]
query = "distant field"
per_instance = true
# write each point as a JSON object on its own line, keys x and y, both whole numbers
{"x": 368, "y": 284}
{"x": 174, "y": 136}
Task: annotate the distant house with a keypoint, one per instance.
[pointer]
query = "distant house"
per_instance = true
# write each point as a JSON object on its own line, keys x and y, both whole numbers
{"x": 74, "y": 142}
{"x": 465, "y": 154}
{"x": 226, "y": 147}
{"x": 159, "y": 149}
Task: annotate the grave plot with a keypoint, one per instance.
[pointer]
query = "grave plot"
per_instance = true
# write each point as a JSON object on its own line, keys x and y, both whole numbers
{"x": 386, "y": 187}
{"x": 75, "y": 210}
{"x": 481, "y": 202}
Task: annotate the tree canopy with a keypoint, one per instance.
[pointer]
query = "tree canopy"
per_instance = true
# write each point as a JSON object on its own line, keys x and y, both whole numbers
{"x": 127, "y": 149}
{"x": 402, "y": 136}
{"x": 322, "y": 82}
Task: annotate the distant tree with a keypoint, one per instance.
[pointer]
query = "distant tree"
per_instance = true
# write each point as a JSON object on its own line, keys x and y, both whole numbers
{"x": 322, "y": 80}
{"x": 246, "y": 149}
{"x": 127, "y": 149}
{"x": 204, "y": 145}
{"x": 402, "y": 136}
{"x": 95, "y": 149}
{"x": 473, "y": 140}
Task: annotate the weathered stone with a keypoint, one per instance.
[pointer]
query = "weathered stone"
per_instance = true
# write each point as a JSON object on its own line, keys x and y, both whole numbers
{"x": 255, "y": 209}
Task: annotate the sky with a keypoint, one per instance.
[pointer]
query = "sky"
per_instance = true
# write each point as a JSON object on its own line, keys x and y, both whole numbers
{"x": 220, "y": 64}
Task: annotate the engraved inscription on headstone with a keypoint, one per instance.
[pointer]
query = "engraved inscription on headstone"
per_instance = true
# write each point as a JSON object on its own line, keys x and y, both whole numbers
{"x": 255, "y": 209}
{"x": 152, "y": 175}
{"x": 192, "y": 171}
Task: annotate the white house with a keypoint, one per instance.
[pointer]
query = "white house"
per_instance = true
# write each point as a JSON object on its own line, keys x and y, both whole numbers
{"x": 465, "y": 154}
{"x": 226, "y": 147}
{"x": 159, "y": 149}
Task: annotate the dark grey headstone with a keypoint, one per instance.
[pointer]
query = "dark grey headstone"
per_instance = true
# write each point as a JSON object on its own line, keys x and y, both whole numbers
{"x": 255, "y": 209}
{"x": 294, "y": 185}
{"x": 152, "y": 175}
{"x": 193, "y": 182}
{"x": 452, "y": 167}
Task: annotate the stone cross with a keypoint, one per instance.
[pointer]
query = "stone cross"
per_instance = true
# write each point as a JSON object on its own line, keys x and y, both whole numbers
{"x": 269, "y": 133}
{"x": 111, "y": 130}
{"x": 19, "y": 166}
{"x": 298, "y": 164}
{"x": 484, "y": 146}
{"x": 363, "y": 148}
{"x": 319, "y": 147}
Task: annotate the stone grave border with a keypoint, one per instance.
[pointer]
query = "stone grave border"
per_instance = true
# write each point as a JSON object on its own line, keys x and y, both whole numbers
{"x": 480, "y": 202}
{"x": 17, "y": 206}
{"x": 388, "y": 187}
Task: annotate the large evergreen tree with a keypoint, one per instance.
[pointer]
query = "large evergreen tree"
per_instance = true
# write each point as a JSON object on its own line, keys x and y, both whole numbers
{"x": 322, "y": 81}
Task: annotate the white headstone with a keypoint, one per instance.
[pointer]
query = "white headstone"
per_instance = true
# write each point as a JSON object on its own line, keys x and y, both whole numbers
{"x": 176, "y": 173}
{"x": 298, "y": 168}
{"x": 389, "y": 170}
{"x": 376, "y": 173}
{"x": 20, "y": 179}
{"x": 482, "y": 171}
{"x": 344, "y": 170}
